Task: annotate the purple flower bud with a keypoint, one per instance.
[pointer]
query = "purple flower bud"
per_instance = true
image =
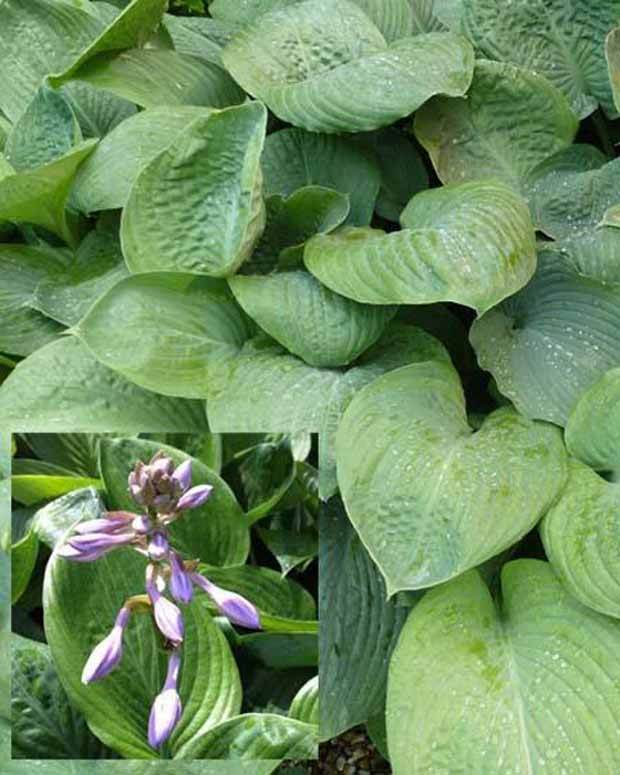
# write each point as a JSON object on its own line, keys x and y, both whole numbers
{"x": 97, "y": 541}
{"x": 167, "y": 708}
{"x": 68, "y": 552}
{"x": 180, "y": 583}
{"x": 160, "y": 465}
{"x": 164, "y": 502}
{"x": 167, "y": 616}
{"x": 107, "y": 654}
{"x": 234, "y": 607}
{"x": 107, "y": 525}
{"x": 183, "y": 475}
{"x": 158, "y": 546}
{"x": 141, "y": 524}
{"x": 194, "y": 497}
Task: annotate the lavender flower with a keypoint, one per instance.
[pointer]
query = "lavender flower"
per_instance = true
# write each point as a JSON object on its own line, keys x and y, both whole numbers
{"x": 112, "y": 523}
{"x": 107, "y": 654}
{"x": 68, "y": 552}
{"x": 180, "y": 582}
{"x": 233, "y": 606}
{"x": 194, "y": 497}
{"x": 167, "y": 616}
{"x": 158, "y": 546}
{"x": 166, "y": 710}
{"x": 183, "y": 475}
{"x": 100, "y": 541}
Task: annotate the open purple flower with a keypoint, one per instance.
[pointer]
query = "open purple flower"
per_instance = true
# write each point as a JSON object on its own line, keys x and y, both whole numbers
{"x": 233, "y": 606}
{"x": 166, "y": 710}
{"x": 107, "y": 654}
{"x": 167, "y": 616}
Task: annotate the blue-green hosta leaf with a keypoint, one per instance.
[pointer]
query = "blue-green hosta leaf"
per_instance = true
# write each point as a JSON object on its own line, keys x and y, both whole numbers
{"x": 154, "y": 77}
{"x": 290, "y": 222}
{"x": 553, "y": 340}
{"x": 305, "y": 705}
{"x": 67, "y": 294}
{"x": 395, "y": 153}
{"x": 97, "y": 112}
{"x": 186, "y": 325}
{"x": 429, "y": 497}
{"x": 75, "y": 452}
{"x": 562, "y": 41}
{"x": 612, "y": 55}
{"x": 359, "y": 627}
{"x": 293, "y": 158}
{"x": 80, "y": 602}
{"x": 525, "y": 686}
{"x": 48, "y": 129}
{"x": 23, "y": 328}
{"x": 215, "y": 533}
{"x": 51, "y": 522}
{"x": 318, "y": 325}
{"x": 267, "y": 472}
{"x": 324, "y": 65}
{"x": 593, "y": 429}
{"x": 291, "y": 547}
{"x": 510, "y": 121}
{"x": 580, "y": 534}
{"x": 129, "y": 29}
{"x": 44, "y": 724}
{"x": 571, "y": 191}
{"x": 436, "y": 15}
{"x": 110, "y": 767}
{"x": 198, "y": 36}
{"x": 212, "y": 173}
{"x": 267, "y": 390}
{"x": 36, "y": 38}
{"x": 471, "y": 243}
{"x": 63, "y": 386}
{"x": 39, "y": 195}
{"x": 104, "y": 181}
{"x": 257, "y": 736}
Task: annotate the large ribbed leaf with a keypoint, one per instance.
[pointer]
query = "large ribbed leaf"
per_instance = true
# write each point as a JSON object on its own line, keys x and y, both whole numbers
{"x": 23, "y": 328}
{"x": 324, "y": 65}
{"x": 186, "y": 324}
{"x": 268, "y": 390}
{"x": 39, "y": 195}
{"x": 552, "y": 341}
{"x": 562, "y": 41}
{"x": 200, "y": 36}
{"x": 581, "y": 534}
{"x": 63, "y": 386}
{"x": 471, "y": 243}
{"x": 294, "y": 158}
{"x": 612, "y": 54}
{"x": 492, "y": 687}
{"x": 80, "y": 602}
{"x": 104, "y": 181}
{"x": 571, "y": 191}
{"x": 305, "y": 704}
{"x": 510, "y": 121}
{"x": 318, "y": 325}
{"x": 82, "y": 767}
{"x": 593, "y": 429}
{"x": 152, "y": 77}
{"x": 129, "y": 29}
{"x": 197, "y": 206}
{"x": 257, "y": 736}
{"x": 67, "y": 294}
{"x": 359, "y": 627}
{"x": 430, "y": 498}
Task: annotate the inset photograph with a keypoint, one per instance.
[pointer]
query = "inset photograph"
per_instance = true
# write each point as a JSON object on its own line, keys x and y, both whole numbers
{"x": 164, "y": 598}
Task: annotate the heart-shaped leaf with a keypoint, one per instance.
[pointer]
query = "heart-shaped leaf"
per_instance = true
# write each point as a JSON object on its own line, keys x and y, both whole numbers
{"x": 499, "y": 687}
{"x": 305, "y": 705}
{"x": 318, "y": 325}
{"x": 187, "y": 324}
{"x": 410, "y": 467}
{"x": 294, "y": 158}
{"x": 593, "y": 429}
{"x": 359, "y": 627}
{"x": 553, "y": 340}
{"x": 216, "y": 532}
{"x": 472, "y": 244}
{"x": 223, "y": 197}
{"x": 257, "y": 736}
{"x": 23, "y": 328}
{"x": 80, "y": 602}
{"x": 63, "y": 386}
{"x": 44, "y": 723}
{"x": 323, "y": 65}
{"x": 104, "y": 181}
{"x": 480, "y": 137}
{"x": 571, "y": 190}
{"x": 540, "y": 37}
{"x": 580, "y": 537}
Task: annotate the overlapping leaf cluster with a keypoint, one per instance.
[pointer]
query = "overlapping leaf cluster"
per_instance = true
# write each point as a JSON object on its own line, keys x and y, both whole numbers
{"x": 245, "y": 695}
{"x": 301, "y": 214}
